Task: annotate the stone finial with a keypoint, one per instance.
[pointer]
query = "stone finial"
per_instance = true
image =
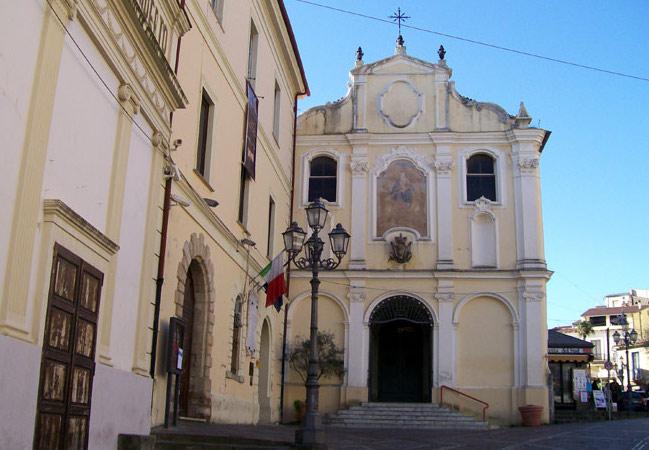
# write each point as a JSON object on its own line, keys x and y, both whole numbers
{"x": 400, "y": 49}
{"x": 359, "y": 57}
{"x": 523, "y": 119}
{"x": 441, "y": 52}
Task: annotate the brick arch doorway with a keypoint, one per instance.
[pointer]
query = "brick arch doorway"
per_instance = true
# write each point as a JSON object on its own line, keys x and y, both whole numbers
{"x": 195, "y": 305}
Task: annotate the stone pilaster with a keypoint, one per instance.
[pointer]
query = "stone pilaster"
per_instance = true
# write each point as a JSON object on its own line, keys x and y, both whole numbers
{"x": 444, "y": 169}
{"x": 359, "y": 167}
{"x": 527, "y": 198}
{"x": 357, "y": 351}
{"x": 446, "y": 333}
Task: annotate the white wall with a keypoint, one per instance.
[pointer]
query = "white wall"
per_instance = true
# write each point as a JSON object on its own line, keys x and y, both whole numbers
{"x": 131, "y": 242}
{"x": 18, "y": 393}
{"x": 17, "y": 63}
{"x": 82, "y": 136}
{"x": 121, "y": 403}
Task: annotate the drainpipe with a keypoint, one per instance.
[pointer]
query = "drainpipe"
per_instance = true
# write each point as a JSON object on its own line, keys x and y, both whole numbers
{"x": 163, "y": 244}
{"x": 288, "y": 270}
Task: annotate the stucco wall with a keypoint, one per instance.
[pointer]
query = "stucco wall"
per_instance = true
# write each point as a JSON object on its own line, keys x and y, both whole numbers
{"x": 120, "y": 405}
{"x": 19, "y": 376}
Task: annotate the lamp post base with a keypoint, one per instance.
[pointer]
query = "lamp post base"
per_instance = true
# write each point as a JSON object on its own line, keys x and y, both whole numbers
{"x": 310, "y": 439}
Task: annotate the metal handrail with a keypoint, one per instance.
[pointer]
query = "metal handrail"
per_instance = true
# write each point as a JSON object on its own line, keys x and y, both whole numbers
{"x": 441, "y": 399}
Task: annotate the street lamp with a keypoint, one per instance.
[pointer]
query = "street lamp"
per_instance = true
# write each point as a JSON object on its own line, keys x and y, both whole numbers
{"x": 628, "y": 338}
{"x": 311, "y": 435}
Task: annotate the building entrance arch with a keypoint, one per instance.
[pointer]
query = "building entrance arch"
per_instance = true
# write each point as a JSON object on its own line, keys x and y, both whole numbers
{"x": 400, "y": 351}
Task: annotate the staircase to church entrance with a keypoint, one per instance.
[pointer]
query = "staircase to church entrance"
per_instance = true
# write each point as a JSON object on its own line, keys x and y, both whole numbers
{"x": 404, "y": 415}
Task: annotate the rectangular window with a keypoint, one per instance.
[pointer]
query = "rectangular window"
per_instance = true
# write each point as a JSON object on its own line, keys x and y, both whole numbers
{"x": 276, "y": 112}
{"x": 243, "y": 197}
{"x": 271, "y": 227}
{"x": 204, "y": 136}
{"x": 217, "y": 7}
{"x": 598, "y": 321}
{"x": 597, "y": 349}
{"x": 252, "y": 54}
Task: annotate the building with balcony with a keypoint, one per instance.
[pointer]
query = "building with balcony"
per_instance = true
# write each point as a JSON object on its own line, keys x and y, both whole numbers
{"x": 88, "y": 88}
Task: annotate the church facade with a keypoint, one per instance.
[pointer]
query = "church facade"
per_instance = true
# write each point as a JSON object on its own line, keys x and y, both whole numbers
{"x": 445, "y": 280}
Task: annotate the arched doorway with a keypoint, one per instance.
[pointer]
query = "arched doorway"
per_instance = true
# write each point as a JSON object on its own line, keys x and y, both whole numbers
{"x": 264, "y": 375}
{"x": 400, "y": 351}
{"x": 191, "y": 402}
{"x": 188, "y": 317}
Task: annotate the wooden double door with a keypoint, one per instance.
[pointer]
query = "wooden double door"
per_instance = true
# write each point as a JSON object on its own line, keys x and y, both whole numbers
{"x": 67, "y": 363}
{"x": 400, "y": 363}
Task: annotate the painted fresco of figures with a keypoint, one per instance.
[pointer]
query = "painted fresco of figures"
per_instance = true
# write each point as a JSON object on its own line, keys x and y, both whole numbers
{"x": 401, "y": 198}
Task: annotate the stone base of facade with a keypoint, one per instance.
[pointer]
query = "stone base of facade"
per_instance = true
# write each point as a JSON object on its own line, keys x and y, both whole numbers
{"x": 121, "y": 404}
{"x": 19, "y": 376}
{"x": 503, "y": 401}
{"x": 229, "y": 409}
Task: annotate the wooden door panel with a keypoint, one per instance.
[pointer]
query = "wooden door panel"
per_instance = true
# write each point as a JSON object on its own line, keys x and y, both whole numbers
{"x": 69, "y": 343}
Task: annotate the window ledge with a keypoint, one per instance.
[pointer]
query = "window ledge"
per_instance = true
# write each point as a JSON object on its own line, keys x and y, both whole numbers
{"x": 203, "y": 180}
{"x": 233, "y": 376}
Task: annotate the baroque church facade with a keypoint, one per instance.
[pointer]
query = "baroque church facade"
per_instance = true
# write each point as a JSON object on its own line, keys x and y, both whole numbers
{"x": 445, "y": 279}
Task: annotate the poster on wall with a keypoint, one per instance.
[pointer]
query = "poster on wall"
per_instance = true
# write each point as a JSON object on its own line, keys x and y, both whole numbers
{"x": 579, "y": 380}
{"x": 600, "y": 400}
{"x": 250, "y": 138}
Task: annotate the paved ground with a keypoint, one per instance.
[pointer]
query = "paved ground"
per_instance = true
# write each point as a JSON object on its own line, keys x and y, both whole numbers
{"x": 630, "y": 434}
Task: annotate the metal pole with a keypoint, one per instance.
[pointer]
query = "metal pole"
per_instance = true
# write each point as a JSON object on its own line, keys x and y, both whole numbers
{"x": 311, "y": 434}
{"x": 609, "y": 400}
{"x": 628, "y": 374}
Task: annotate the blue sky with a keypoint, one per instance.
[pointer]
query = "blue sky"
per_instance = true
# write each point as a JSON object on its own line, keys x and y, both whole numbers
{"x": 594, "y": 167}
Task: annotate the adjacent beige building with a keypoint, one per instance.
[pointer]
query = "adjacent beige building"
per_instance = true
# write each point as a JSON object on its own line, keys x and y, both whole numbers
{"x": 88, "y": 88}
{"x": 232, "y": 357}
{"x": 445, "y": 280}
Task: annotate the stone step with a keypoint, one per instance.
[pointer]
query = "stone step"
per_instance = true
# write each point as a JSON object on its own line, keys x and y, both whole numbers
{"x": 387, "y": 412}
{"x": 177, "y": 441}
{"x": 400, "y": 417}
{"x": 404, "y": 416}
{"x": 427, "y": 426}
{"x": 398, "y": 405}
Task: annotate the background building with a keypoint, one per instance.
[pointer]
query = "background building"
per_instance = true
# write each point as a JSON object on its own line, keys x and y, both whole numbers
{"x": 88, "y": 87}
{"x": 445, "y": 279}
{"x": 241, "y": 71}
{"x": 607, "y": 319}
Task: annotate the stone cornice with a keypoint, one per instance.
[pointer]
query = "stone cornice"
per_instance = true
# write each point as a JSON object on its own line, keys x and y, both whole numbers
{"x": 112, "y": 26}
{"x": 442, "y": 137}
{"x": 55, "y": 210}
{"x": 432, "y": 275}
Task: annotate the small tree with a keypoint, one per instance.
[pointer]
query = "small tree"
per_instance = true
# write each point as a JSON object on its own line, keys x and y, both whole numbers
{"x": 330, "y": 357}
{"x": 584, "y": 328}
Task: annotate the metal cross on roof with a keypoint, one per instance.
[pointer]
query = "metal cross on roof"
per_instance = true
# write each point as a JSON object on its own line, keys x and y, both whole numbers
{"x": 399, "y": 17}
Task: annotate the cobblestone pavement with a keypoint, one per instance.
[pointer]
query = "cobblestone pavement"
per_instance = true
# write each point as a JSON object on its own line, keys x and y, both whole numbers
{"x": 631, "y": 434}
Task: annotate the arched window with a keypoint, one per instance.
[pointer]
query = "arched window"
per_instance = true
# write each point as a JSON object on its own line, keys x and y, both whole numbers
{"x": 480, "y": 178}
{"x": 236, "y": 335}
{"x": 322, "y": 178}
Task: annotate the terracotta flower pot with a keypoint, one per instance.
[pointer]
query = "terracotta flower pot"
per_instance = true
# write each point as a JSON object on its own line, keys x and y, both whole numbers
{"x": 531, "y": 415}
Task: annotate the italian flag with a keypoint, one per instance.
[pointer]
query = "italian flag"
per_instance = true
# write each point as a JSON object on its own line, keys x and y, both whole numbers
{"x": 275, "y": 285}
